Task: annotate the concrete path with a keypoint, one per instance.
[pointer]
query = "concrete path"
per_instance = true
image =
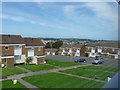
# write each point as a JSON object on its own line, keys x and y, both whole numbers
{"x": 82, "y": 77}
{"x": 28, "y": 85}
{"x": 52, "y": 65}
{"x": 40, "y": 72}
{"x": 23, "y": 69}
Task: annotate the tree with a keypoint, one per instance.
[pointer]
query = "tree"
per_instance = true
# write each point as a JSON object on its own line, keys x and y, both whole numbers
{"x": 57, "y": 44}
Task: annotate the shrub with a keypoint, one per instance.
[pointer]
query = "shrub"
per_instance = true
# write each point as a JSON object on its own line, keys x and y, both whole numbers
{"x": 29, "y": 60}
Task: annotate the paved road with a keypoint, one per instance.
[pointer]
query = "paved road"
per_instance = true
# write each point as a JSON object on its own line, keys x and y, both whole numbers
{"x": 110, "y": 62}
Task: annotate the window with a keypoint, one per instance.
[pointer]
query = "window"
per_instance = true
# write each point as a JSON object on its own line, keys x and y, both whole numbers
{"x": 113, "y": 50}
{"x": 92, "y": 53}
{"x": 39, "y": 48}
{"x": 31, "y": 48}
{"x": 6, "y": 47}
{"x": 93, "y": 48}
{"x": 105, "y": 48}
{"x": 17, "y": 57}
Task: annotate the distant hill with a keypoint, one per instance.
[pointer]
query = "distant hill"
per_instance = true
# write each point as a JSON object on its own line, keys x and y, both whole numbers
{"x": 77, "y": 39}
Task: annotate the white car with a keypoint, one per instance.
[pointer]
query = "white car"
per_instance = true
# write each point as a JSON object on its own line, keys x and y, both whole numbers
{"x": 97, "y": 61}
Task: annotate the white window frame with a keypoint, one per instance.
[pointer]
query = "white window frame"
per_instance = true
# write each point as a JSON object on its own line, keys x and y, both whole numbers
{"x": 39, "y": 48}
{"x": 18, "y": 57}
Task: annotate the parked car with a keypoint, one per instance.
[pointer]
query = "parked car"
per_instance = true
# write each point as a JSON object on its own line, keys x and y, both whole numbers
{"x": 80, "y": 60}
{"x": 97, "y": 61}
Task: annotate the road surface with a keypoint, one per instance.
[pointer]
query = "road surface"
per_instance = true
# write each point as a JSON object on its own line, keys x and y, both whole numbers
{"x": 107, "y": 62}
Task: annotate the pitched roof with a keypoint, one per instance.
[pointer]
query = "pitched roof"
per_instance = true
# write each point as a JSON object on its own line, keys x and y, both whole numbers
{"x": 33, "y": 42}
{"x": 104, "y": 44}
{"x": 54, "y": 50}
{"x": 11, "y": 39}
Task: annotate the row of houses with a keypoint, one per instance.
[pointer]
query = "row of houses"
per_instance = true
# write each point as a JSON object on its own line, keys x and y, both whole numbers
{"x": 97, "y": 49}
{"x": 103, "y": 49}
{"x": 14, "y": 50}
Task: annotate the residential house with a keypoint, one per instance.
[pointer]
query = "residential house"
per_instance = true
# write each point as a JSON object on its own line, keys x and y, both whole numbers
{"x": 14, "y": 50}
{"x": 72, "y": 50}
{"x": 11, "y": 50}
{"x": 36, "y": 49}
{"x": 102, "y": 49}
{"x": 51, "y": 51}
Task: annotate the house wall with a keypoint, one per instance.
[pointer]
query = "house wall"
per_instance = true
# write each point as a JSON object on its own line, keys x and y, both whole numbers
{"x": 63, "y": 51}
{"x": 0, "y": 50}
{"x": 82, "y": 51}
{"x": 8, "y": 61}
{"x": 99, "y": 50}
{"x": 47, "y": 53}
{"x": 109, "y": 49}
{"x": 88, "y": 49}
{"x": 26, "y": 51}
{"x": 9, "y": 51}
{"x": 23, "y": 50}
{"x": 38, "y": 51}
{"x": 53, "y": 53}
{"x": 92, "y": 55}
{"x": 77, "y": 52}
{"x": 93, "y": 49}
{"x": 41, "y": 60}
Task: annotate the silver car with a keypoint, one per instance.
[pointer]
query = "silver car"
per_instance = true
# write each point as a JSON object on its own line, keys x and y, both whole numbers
{"x": 97, "y": 61}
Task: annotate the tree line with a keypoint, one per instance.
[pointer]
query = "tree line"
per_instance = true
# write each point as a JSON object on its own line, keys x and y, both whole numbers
{"x": 56, "y": 44}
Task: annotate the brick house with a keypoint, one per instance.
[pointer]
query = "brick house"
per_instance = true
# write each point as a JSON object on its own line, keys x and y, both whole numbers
{"x": 51, "y": 51}
{"x": 103, "y": 49}
{"x": 11, "y": 50}
{"x": 14, "y": 50}
{"x": 36, "y": 49}
{"x": 72, "y": 50}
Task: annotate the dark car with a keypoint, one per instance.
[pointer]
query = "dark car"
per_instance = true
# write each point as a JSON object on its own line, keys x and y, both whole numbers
{"x": 80, "y": 60}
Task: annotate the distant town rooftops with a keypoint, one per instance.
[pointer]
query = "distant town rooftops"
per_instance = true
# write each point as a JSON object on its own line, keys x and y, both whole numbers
{"x": 104, "y": 44}
{"x": 11, "y": 39}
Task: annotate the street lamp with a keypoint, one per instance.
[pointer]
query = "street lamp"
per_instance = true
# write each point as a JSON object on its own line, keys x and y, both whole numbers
{"x": 71, "y": 52}
{"x": 51, "y": 46}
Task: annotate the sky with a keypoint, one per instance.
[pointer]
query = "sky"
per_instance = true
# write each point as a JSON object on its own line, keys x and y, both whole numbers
{"x": 84, "y": 20}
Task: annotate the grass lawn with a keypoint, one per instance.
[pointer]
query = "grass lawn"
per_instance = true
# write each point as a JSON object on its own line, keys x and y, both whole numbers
{"x": 8, "y": 84}
{"x": 55, "y": 80}
{"x": 98, "y": 72}
{"x": 37, "y": 67}
{"x": 103, "y": 68}
{"x": 11, "y": 71}
{"x": 61, "y": 63}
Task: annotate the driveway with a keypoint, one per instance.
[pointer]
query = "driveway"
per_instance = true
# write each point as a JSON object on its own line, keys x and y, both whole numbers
{"x": 107, "y": 62}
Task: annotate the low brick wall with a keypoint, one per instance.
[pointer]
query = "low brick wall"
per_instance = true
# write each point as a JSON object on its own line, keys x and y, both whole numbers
{"x": 41, "y": 60}
{"x": 8, "y": 61}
